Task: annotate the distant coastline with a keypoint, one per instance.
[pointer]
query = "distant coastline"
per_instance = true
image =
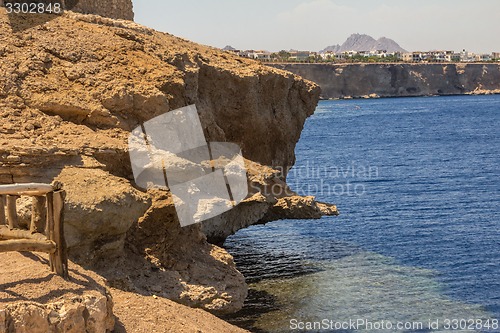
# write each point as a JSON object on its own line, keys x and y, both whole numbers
{"x": 365, "y": 49}
{"x": 381, "y": 80}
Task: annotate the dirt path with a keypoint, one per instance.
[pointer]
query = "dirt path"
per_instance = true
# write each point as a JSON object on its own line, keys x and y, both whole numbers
{"x": 146, "y": 314}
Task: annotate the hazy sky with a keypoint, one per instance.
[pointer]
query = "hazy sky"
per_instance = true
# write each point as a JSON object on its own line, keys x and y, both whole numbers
{"x": 314, "y": 24}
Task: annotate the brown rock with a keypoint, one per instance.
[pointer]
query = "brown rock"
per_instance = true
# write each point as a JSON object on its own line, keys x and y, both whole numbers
{"x": 117, "y": 9}
{"x": 3, "y": 318}
{"x": 122, "y": 74}
{"x": 297, "y": 207}
{"x": 397, "y": 80}
{"x": 99, "y": 210}
{"x": 179, "y": 264}
{"x": 34, "y": 300}
{"x": 89, "y": 80}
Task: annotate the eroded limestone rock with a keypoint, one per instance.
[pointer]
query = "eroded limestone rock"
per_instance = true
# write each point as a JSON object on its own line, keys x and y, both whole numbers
{"x": 70, "y": 92}
{"x": 34, "y": 300}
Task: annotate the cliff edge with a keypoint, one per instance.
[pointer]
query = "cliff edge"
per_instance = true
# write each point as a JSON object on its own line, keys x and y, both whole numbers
{"x": 115, "y": 9}
{"x": 72, "y": 89}
{"x": 399, "y": 80}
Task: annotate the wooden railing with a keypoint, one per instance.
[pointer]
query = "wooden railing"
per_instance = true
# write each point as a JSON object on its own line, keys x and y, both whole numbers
{"x": 46, "y": 228}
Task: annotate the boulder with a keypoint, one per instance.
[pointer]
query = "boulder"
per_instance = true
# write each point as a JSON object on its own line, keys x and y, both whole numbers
{"x": 34, "y": 300}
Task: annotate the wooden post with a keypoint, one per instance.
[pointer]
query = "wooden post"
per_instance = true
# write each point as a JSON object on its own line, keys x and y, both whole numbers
{"x": 49, "y": 225}
{"x": 21, "y": 245}
{"x": 12, "y": 211}
{"x": 2, "y": 210}
{"x": 26, "y": 189}
{"x": 60, "y": 256}
{"x": 38, "y": 214}
{"x": 7, "y": 233}
{"x": 46, "y": 232}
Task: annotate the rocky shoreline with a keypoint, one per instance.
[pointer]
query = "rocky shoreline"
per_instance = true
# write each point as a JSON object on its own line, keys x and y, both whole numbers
{"x": 477, "y": 92}
{"x": 355, "y": 81}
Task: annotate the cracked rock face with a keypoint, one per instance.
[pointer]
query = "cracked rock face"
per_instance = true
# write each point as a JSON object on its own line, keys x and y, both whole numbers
{"x": 99, "y": 211}
{"x": 34, "y": 300}
{"x": 115, "y": 9}
{"x": 189, "y": 270}
{"x": 88, "y": 84}
{"x": 400, "y": 80}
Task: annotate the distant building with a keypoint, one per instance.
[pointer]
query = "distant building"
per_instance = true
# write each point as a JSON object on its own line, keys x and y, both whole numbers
{"x": 314, "y": 55}
{"x": 233, "y": 51}
{"x": 465, "y": 56}
{"x": 407, "y": 56}
{"x": 261, "y": 55}
{"x": 299, "y": 55}
{"x": 328, "y": 55}
{"x": 416, "y": 56}
{"x": 350, "y": 54}
{"x": 439, "y": 56}
{"x": 455, "y": 57}
{"x": 365, "y": 54}
{"x": 339, "y": 56}
{"x": 246, "y": 53}
{"x": 380, "y": 54}
{"x": 482, "y": 57}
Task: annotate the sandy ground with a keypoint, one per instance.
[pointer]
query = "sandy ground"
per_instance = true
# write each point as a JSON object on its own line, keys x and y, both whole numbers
{"x": 147, "y": 314}
{"x": 27, "y": 277}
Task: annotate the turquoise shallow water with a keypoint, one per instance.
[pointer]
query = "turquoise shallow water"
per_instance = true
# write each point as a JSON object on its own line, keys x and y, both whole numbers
{"x": 417, "y": 182}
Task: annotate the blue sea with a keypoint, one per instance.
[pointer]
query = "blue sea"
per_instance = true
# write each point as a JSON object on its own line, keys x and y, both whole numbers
{"x": 417, "y": 244}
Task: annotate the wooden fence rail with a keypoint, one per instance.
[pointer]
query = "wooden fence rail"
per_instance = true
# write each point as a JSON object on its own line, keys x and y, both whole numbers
{"x": 46, "y": 230}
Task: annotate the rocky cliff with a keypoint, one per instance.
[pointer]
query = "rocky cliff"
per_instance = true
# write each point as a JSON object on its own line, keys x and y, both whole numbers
{"x": 33, "y": 300}
{"x": 398, "y": 80}
{"x": 71, "y": 90}
{"x": 116, "y": 9}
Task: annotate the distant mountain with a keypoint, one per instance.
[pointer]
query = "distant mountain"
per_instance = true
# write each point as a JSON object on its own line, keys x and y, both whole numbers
{"x": 390, "y": 45}
{"x": 229, "y": 48}
{"x": 361, "y": 42}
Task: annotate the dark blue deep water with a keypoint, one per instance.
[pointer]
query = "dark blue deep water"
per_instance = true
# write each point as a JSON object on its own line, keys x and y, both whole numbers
{"x": 417, "y": 183}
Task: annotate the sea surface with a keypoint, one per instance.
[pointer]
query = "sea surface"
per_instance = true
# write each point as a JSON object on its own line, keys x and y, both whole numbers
{"x": 417, "y": 242}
